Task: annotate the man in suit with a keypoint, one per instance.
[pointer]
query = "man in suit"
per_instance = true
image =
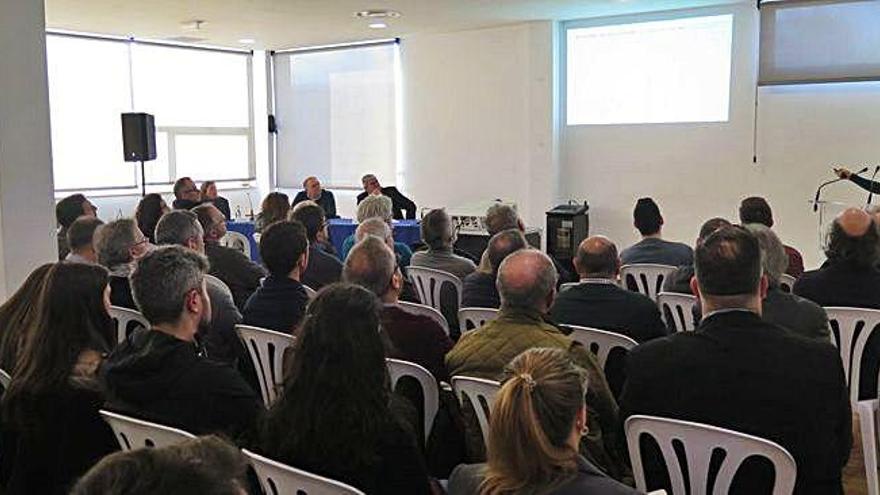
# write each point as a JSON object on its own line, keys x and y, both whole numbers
{"x": 757, "y": 210}
{"x": 479, "y": 289}
{"x": 186, "y": 194}
{"x": 741, "y": 373}
{"x": 653, "y": 248}
{"x": 399, "y": 202}
{"x": 312, "y": 191}
{"x": 323, "y": 268}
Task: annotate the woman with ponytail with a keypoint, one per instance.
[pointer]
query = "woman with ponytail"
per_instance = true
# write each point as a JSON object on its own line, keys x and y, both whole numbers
{"x": 535, "y": 427}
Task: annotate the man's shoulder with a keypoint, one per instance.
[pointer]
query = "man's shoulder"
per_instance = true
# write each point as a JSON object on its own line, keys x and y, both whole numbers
{"x": 400, "y": 315}
{"x": 324, "y": 256}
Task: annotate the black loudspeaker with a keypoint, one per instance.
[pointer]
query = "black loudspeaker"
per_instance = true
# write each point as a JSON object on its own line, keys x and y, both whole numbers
{"x": 138, "y": 137}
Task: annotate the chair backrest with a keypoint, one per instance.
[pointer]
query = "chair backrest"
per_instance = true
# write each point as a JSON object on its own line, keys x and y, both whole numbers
{"x": 134, "y": 433}
{"x": 266, "y": 349}
{"x": 481, "y": 394}
{"x": 786, "y": 282}
{"x": 310, "y": 292}
{"x": 471, "y": 318}
{"x": 237, "y": 241}
{"x": 600, "y": 342}
{"x": 699, "y": 442}
{"x": 279, "y": 479}
{"x": 868, "y": 426}
{"x": 428, "y": 283}
{"x": 850, "y": 329}
{"x": 5, "y": 379}
{"x": 568, "y": 285}
{"x": 645, "y": 278}
{"x": 678, "y": 310}
{"x": 398, "y": 369}
{"x": 126, "y": 321}
{"x": 428, "y": 311}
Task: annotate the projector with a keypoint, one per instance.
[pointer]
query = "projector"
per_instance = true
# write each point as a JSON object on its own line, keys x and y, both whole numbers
{"x": 471, "y": 218}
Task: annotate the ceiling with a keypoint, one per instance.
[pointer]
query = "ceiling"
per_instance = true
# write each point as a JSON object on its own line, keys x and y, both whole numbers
{"x": 279, "y": 24}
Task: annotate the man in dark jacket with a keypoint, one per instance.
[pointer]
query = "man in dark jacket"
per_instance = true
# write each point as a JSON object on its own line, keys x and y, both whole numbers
{"x": 324, "y": 268}
{"x": 679, "y": 281}
{"x": 741, "y": 373}
{"x": 399, "y": 202}
{"x": 159, "y": 374}
{"x": 312, "y": 191}
{"x": 479, "y": 290}
{"x": 186, "y": 194}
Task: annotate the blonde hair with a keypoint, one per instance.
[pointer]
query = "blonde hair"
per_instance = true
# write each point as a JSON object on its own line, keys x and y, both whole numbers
{"x": 375, "y": 206}
{"x": 531, "y": 422}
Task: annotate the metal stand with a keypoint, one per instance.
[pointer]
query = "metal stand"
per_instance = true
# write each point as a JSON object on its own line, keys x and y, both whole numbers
{"x": 143, "y": 180}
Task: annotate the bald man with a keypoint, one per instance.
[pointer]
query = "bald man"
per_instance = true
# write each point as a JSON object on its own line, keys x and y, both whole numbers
{"x": 527, "y": 286}
{"x": 313, "y": 191}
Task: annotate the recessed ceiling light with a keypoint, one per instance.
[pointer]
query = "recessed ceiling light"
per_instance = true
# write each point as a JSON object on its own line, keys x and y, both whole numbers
{"x": 377, "y": 14}
{"x": 247, "y": 41}
{"x": 378, "y": 25}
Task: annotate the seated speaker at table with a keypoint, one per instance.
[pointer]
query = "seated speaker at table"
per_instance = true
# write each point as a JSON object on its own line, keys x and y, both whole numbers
{"x": 313, "y": 191}
{"x": 398, "y": 200}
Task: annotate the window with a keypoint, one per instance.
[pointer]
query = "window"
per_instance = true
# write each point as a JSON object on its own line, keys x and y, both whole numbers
{"x": 200, "y": 99}
{"x": 675, "y": 70}
{"x": 336, "y": 114}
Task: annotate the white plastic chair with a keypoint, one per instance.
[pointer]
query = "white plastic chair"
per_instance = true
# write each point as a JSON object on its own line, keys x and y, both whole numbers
{"x": 5, "y": 379}
{"x": 603, "y": 340}
{"x": 699, "y": 441}
{"x": 266, "y": 349}
{"x": 126, "y": 319}
{"x": 473, "y": 318}
{"x": 132, "y": 433}
{"x": 568, "y": 285}
{"x": 646, "y": 278}
{"x": 868, "y": 426}
{"x": 678, "y": 310}
{"x": 310, "y": 292}
{"x": 481, "y": 394}
{"x": 847, "y": 321}
{"x": 786, "y": 282}
{"x": 398, "y": 369}
{"x": 279, "y": 479}
{"x": 428, "y": 283}
{"x": 237, "y": 241}
{"x": 428, "y": 311}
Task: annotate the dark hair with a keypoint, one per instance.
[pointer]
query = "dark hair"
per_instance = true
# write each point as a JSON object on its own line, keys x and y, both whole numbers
{"x": 861, "y": 251}
{"x": 503, "y": 244}
{"x": 437, "y": 229}
{"x": 728, "y": 262}
{"x": 205, "y": 185}
{"x": 646, "y": 216}
{"x": 756, "y": 210}
{"x": 69, "y": 209}
{"x": 202, "y": 465}
{"x": 711, "y": 225}
{"x": 161, "y": 279}
{"x": 17, "y": 313}
{"x": 179, "y": 184}
{"x": 81, "y": 232}
{"x": 274, "y": 208}
{"x": 312, "y": 216}
{"x": 281, "y": 246}
{"x": 148, "y": 213}
{"x": 602, "y": 262}
{"x": 335, "y": 402}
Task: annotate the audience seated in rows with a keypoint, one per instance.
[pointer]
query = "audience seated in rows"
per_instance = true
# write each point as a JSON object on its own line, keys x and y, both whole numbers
{"x": 324, "y": 268}
{"x": 312, "y": 191}
{"x": 233, "y": 267}
{"x": 535, "y": 427}
{"x": 275, "y": 207}
{"x": 159, "y": 374}
{"x": 414, "y": 337}
{"x": 741, "y": 373}
{"x": 679, "y": 281}
{"x": 401, "y": 206}
{"x": 378, "y": 207}
{"x": 479, "y": 290}
{"x": 118, "y": 244}
{"x": 335, "y": 416}
{"x": 203, "y": 465}
{"x": 756, "y": 209}
{"x": 148, "y": 212}
{"x": 80, "y": 237}
{"x": 439, "y": 236}
{"x": 51, "y": 430}
{"x": 653, "y": 248}
{"x": 208, "y": 193}
{"x": 527, "y": 285}
{"x": 66, "y": 211}
{"x": 280, "y": 302}
{"x": 17, "y": 313}
{"x": 186, "y": 194}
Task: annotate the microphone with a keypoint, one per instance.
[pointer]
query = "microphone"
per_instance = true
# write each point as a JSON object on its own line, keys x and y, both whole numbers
{"x": 871, "y": 190}
{"x": 819, "y": 190}
{"x": 251, "y": 205}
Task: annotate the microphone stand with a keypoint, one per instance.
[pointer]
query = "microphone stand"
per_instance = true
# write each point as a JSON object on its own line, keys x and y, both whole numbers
{"x": 822, "y": 186}
{"x": 871, "y": 188}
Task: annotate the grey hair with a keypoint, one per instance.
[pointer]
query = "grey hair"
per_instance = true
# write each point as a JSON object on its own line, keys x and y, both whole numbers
{"x": 374, "y": 206}
{"x": 501, "y": 217}
{"x": 114, "y": 241}
{"x": 374, "y": 227}
{"x": 370, "y": 264}
{"x": 534, "y": 285}
{"x": 367, "y": 178}
{"x": 177, "y": 227}
{"x": 437, "y": 229}
{"x": 161, "y": 280}
{"x": 774, "y": 260}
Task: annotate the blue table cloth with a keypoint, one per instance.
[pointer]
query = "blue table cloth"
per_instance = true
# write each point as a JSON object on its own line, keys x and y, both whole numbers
{"x": 246, "y": 228}
{"x": 405, "y": 231}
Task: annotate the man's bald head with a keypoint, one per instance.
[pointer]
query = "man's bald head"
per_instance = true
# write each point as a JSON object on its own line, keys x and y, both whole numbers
{"x": 597, "y": 258}
{"x": 854, "y": 222}
{"x": 370, "y": 264}
{"x": 853, "y": 238}
{"x": 375, "y": 227}
{"x": 502, "y": 244}
{"x": 527, "y": 280}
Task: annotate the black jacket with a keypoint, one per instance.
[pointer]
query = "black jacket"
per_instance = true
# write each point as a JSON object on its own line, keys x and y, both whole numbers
{"x": 157, "y": 377}
{"x": 741, "y": 373}
{"x": 479, "y": 291}
{"x": 239, "y": 273}
{"x": 222, "y": 204}
{"x": 279, "y": 304}
{"x": 120, "y": 293}
{"x": 398, "y": 202}
{"x": 324, "y": 268}
{"x": 184, "y": 204}
{"x": 327, "y": 202}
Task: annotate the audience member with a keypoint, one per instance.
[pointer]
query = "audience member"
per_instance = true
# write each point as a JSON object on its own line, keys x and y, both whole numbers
{"x": 16, "y": 315}
{"x": 757, "y": 210}
{"x": 148, "y": 212}
{"x": 652, "y": 248}
{"x": 236, "y": 270}
{"x": 280, "y": 302}
{"x": 312, "y": 191}
{"x": 202, "y": 465}
{"x": 527, "y": 285}
{"x": 209, "y": 194}
{"x": 275, "y": 207}
{"x": 415, "y": 337}
{"x": 479, "y": 290}
{"x": 739, "y": 372}
{"x": 160, "y": 375}
{"x": 335, "y": 416}
{"x": 378, "y": 207}
{"x": 324, "y": 268}
{"x": 792, "y": 312}
{"x": 537, "y": 421}
{"x": 379, "y": 228}
{"x": 439, "y": 235}
{"x": 66, "y": 211}
{"x": 679, "y": 281}
{"x": 51, "y": 430}
{"x": 400, "y": 203}
{"x": 118, "y": 244}
{"x": 186, "y": 194}
{"x": 79, "y": 239}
